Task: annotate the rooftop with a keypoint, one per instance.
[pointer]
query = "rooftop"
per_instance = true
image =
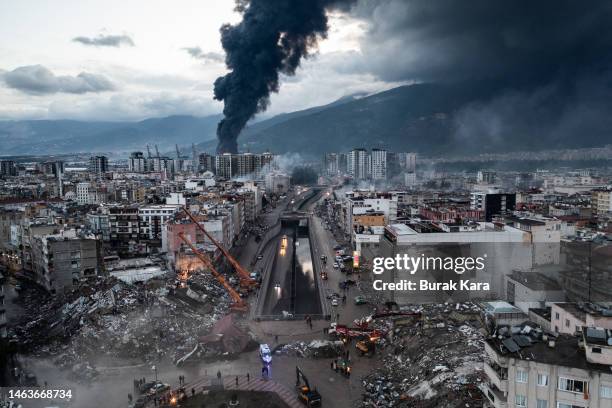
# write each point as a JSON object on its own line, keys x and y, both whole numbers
{"x": 535, "y": 280}
{"x": 565, "y": 352}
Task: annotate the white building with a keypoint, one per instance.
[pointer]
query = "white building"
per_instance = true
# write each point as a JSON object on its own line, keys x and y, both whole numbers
{"x": 527, "y": 371}
{"x": 153, "y": 217}
{"x": 379, "y": 164}
{"x": 359, "y": 164}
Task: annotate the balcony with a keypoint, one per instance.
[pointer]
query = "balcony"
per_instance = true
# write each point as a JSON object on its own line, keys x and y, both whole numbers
{"x": 497, "y": 375}
{"x": 495, "y": 397}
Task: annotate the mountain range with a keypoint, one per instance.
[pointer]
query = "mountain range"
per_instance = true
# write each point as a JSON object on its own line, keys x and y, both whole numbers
{"x": 421, "y": 118}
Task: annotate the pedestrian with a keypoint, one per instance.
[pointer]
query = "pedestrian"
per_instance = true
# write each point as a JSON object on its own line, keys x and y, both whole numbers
{"x": 193, "y": 392}
{"x": 331, "y": 364}
{"x": 236, "y": 381}
{"x": 219, "y": 374}
{"x": 130, "y": 398}
{"x": 276, "y": 338}
{"x": 248, "y": 377}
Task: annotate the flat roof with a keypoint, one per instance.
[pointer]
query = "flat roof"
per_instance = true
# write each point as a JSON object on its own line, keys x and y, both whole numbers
{"x": 565, "y": 353}
{"x": 401, "y": 229}
{"x": 535, "y": 280}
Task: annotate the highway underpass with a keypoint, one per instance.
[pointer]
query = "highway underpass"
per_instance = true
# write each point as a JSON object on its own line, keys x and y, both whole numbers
{"x": 291, "y": 280}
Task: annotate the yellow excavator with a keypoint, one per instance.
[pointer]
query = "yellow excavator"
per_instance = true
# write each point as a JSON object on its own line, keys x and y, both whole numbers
{"x": 306, "y": 394}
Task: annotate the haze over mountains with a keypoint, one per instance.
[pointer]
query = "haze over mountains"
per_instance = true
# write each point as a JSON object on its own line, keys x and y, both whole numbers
{"x": 431, "y": 119}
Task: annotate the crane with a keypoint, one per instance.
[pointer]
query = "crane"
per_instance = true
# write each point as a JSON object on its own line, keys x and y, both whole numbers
{"x": 157, "y": 151}
{"x": 238, "y": 304}
{"x": 148, "y": 151}
{"x": 178, "y": 152}
{"x": 245, "y": 277}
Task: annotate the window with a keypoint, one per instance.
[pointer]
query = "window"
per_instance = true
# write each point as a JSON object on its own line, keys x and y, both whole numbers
{"x": 541, "y": 403}
{"x": 564, "y": 405}
{"x": 521, "y": 376}
{"x": 596, "y": 350}
{"x": 577, "y": 386}
{"x": 605, "y": 391}
{"x": 521, "y": 400}
{"x": 567, "y": 322}
{"x": 556, "y": 316}
{"x": 543, "y": 380}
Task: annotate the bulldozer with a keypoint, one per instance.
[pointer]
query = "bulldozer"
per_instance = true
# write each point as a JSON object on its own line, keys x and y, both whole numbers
{"x": 310, "y": 397}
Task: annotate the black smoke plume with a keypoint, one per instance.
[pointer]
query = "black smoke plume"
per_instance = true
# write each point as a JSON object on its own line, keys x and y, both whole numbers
{"x": 272, "y": 38}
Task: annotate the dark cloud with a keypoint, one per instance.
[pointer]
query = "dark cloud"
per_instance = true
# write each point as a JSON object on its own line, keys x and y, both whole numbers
{"x": 197, "y": 53}
{"x": 106, "y": 40}
{"x": 542, "y": 68}
{"x": 454, "y": 40}
{"x": 39, "y": 80}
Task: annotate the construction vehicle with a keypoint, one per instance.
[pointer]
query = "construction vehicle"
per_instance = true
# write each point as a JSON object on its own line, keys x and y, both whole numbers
{"x": 238, "y": 305}
{"x": 246, "y": 281}
{"x": 367, "y": 346}
{"x": 306, "y": 394}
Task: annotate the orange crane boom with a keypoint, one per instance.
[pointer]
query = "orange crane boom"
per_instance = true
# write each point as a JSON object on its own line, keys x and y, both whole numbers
{"x": 245, "y": 277}
{"x": 239, "y": 303}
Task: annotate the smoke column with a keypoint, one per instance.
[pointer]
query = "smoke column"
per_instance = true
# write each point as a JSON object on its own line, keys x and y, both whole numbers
{"x": 272, "y": 38}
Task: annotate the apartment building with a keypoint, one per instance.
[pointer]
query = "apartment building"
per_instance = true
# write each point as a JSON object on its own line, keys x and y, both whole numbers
{"x": 60, "y": 261}
{"x": 535, "y": 370}
{"x": 601, "y": 201}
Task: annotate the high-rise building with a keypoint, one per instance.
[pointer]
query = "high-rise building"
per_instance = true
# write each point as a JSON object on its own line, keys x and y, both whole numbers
{"x": 330, "y": 164}
{"x": 407, "y": 161}
{"x": 379, "y": 164}
{"x": 137, "y": 162}
{"x": 493, "y": 203}
{"x": 98, "y": 164}
{"x": 55, "y": 168}
{"x": 7, "y": 168}
{"x": 226, "y": 166}
{"x": 206, "y": 162}
{"x": 230, "y": 166}
{"x": 359, "y": 164}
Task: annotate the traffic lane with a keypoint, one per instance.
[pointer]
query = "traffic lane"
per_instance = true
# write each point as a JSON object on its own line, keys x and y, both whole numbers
{"x": 348, "y": 312}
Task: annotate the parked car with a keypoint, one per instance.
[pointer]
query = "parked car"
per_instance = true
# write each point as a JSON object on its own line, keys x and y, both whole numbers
{"x": 360, "y": 300}
{"x": 259, "y": 257}
{"x": 335, "y": 302}
{"x": 336, "y": 265}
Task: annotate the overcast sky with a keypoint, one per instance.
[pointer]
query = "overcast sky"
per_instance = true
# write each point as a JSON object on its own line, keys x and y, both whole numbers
{"x": 549, "y": 62}
{"x": 116, "y": 60}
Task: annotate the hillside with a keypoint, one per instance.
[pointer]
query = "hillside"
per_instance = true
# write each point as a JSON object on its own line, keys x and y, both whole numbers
{"x": 64, "y": 136}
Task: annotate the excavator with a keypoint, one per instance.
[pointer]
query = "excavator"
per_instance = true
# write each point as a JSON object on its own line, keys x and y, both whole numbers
{"x": 246, "y": 282}
{"x": 238, "y": 305}
{"x": 306, "y": 394}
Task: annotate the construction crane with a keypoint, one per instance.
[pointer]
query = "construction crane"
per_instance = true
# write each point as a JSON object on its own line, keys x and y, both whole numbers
{"x": 157, "y": 151}
{"x": 245, "y": 278}
{"x": 178, "y": 152}
{"x": 238, "y": 305}
{"x": 148, "y": 151}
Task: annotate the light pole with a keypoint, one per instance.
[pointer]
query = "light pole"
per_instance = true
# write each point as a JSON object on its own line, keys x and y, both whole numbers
{"x": 154, "y": 368}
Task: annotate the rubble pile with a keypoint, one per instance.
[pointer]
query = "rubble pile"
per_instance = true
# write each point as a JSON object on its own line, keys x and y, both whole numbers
{"x": 434, "y": 363}
{"x": 112, "y": 318}
{"x": 314, "y": 349}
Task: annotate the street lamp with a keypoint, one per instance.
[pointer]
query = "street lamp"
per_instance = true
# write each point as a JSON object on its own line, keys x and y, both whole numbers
{"x": 154, "y": 368}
